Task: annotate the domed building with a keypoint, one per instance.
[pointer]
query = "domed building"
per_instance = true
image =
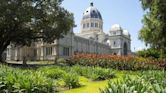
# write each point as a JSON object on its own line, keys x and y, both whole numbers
{"x": 92, "y": 27}
{"x": 120, "y": 40}
{"x": 91, "y": 39}
{"x": 92, "y": 24}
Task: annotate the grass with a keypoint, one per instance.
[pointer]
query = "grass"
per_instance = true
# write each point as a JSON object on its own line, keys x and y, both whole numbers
{"x": 90, "y": 86}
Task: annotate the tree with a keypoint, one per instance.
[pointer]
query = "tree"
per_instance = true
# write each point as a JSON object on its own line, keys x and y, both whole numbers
{"x": 153, "y": 32}
{"x": 153, "y": 53}
{"x": 25, "y": 21}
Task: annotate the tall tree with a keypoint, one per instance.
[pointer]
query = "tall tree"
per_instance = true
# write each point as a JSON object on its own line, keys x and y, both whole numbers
{"x": 153, "y": 31}
{"x": 25, "y": 21}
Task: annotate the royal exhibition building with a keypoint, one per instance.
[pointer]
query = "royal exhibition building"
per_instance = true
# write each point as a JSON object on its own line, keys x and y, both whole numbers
{"x": 90, "y": 39}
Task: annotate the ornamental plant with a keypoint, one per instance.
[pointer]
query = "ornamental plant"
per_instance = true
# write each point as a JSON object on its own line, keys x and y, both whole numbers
{"x": 24, "y": 81}
{"x": 144, "y": 82}
{"x": 117, "y": 62}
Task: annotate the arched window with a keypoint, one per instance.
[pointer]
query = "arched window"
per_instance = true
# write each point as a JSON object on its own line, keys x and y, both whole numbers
{"x": 114, "y": 43}
{"x": 125, "y": 49}
{"x": 83, "y": 25}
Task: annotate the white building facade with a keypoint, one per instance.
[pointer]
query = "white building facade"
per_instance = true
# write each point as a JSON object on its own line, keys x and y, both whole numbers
{"x": 91, "y": 39}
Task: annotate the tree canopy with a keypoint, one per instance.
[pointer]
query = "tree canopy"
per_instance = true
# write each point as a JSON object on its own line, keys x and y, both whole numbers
{"x": 25, "y": 21}
{"x": 153, "y": 32}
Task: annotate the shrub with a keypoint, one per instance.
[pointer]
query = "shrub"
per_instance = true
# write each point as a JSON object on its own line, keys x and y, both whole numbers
{"x": 53, "y": 72}
{"x": 71, "y": 80}
{"x": 95, "y": 73}
{"x": 145, "y": 82}
{"x": 155, "y": 77}
{"x": 61, "y": 60}
{"x": 128, "y": 86}
{"x": 118, "y": 62}
{"x": 149, "y": 53}
{"x": 27, "y": 81}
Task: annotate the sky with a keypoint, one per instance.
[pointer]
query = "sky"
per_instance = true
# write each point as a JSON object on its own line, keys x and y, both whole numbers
{"x": 127, "y": 13}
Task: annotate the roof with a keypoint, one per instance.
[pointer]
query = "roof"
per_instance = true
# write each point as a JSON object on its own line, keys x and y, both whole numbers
{"x": 92, "y": 12}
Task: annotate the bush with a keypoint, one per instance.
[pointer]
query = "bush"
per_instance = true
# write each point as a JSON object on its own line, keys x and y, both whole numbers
{"x": 128, "y": 86}
{"x": 61, "y": 60}
{"x": 155, "y": 77}
{"x": 95, "y": 73}
{"x": 53, "y": 72}
{"x": 118, "y": 62}
{"x": 149, "y": 53}
{"x": 71, "y": 80}
{"x": 145, "y": 82}
{"x": 27, "y": 81}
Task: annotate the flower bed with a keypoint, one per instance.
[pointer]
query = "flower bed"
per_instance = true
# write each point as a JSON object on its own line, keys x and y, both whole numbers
{"x": 118, "y": 62}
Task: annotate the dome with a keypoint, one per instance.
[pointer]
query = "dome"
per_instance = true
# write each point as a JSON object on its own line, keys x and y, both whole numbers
{"x": 126, "y": 33}
{"x": 116, "y": 27}
{"x": 92, "y": 12}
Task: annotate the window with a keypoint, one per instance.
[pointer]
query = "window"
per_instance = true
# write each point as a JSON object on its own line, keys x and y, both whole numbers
{"x": 48, "y": 50}
{"x": 96, "y": 24}
{"x": 8, "y": 51}
{"x": 114, "y": 43}
{"x": 65, "y": 51}
{"x": 92, "y": 24}
{"x": 83, "y": 25}
{"x": 87, "y": 25}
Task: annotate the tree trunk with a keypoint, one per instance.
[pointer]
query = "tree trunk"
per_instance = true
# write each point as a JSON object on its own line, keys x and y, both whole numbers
{"x": 2, "y": 49}
{"x": 1, "y": 57}
{"x": 24, "y": 61}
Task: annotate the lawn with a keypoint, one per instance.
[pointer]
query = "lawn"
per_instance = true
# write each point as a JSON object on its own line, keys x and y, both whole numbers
{"x": 88, "y": 86}
{"x": 94, "y": 86}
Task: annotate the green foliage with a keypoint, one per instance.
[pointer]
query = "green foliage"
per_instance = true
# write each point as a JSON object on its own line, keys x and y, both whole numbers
{"x": 70, "y": 75}
{"x": 25, "y": 21}
{"x": 61, "y": 60}
{"x": 153, "y": 30}
{"x": 27, "y": 81}
{"x": 149, "y": 53}
{"x": 130, "y": 86}
{"x": 95, "y": 73}
{"x": 155, "y": 77}
{"x": 133, "y": 64}
{"x": 145, "y": 82}
{"x": 52, "y": 72}
{"x": 71, "y": 80}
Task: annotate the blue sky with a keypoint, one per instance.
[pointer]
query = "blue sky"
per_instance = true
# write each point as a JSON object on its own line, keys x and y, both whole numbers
{"x": 127, "y": 13}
